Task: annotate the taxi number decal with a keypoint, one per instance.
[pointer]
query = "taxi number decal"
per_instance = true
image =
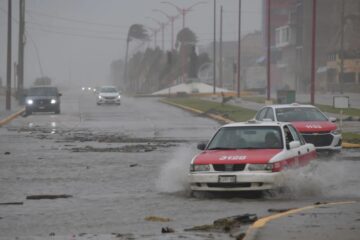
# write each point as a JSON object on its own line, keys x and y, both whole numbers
{"x": 232, "y": 158}
{"x": 313, "y": 126}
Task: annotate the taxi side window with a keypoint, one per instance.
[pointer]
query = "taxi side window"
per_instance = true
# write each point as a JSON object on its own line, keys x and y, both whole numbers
{"x": 288, "y": 136}
{"x": 261, "y": 115}
{"x": 297, "y": 136}
{"x": 270, "y": 114}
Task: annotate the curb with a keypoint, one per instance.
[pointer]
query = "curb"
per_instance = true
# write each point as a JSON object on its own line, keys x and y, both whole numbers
{"x": 252, "y": 231}
{"x": 11, "y": 117}
{"x": 211, "y": 115}
{"x": 221, "y": 119}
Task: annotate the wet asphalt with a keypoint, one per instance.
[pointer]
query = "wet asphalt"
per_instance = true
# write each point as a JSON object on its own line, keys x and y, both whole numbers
{"x": 124, "y": 168}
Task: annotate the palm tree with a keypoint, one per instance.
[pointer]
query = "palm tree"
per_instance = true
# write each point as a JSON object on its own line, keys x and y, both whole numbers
{"x": 136, "y": 32}
{"x": 186, "y": 41}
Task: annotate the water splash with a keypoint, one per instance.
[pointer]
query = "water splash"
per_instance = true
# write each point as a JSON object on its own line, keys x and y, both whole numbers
{"x": 325, "y": 178}
{"x": 174, "y": 174}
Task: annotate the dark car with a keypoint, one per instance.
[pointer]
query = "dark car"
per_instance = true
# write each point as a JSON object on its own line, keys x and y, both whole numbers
{"x": 42, "y": 99}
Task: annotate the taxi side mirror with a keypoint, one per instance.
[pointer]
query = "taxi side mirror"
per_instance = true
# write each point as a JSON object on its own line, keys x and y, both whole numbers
{"x": 201, "y": 146}
{"x": 332, "y": 119}
{"x": 294, "y": 144}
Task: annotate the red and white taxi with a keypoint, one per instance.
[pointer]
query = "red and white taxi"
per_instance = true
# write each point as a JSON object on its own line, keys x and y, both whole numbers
{"x": 249, "y": 156}
{"x": 314, "y": 125}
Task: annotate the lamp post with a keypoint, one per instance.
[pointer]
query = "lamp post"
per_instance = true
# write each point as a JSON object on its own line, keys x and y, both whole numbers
{"x": 172, "y": 20}
{"x": 155, "y": 31}
{"x": 162, "y": 26}
{"x": 183, "y": 11}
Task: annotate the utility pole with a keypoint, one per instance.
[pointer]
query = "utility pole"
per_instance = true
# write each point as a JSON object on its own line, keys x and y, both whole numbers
{"x": 342, "y": 52}
{"x": 20, "y": 66}
{"x": 214, "y": 50}
{"x": 268, "y": 55}
{"x": 8, "y": 64}
{"x": 313, "y": 53}
{"x": 221, "y": 48}
{"x": 239, "y": 52}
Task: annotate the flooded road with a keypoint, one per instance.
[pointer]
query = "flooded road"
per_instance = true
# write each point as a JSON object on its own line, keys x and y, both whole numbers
{"x": 125, "y": 167}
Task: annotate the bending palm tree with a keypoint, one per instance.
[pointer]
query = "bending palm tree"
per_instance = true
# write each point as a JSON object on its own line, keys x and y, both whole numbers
{"x": 137, "y": 32}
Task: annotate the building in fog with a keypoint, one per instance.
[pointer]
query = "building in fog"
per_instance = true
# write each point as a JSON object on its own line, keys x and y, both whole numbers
{"x": 291, "y": 32}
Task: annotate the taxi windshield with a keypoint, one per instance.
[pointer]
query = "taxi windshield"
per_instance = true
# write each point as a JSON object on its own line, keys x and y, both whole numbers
{"x": 252, "y": 137}
{"x": 299, "y": 114}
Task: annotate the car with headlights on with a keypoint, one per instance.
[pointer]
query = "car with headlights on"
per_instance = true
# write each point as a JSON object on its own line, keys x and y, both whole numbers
{"x": 314, "y": 125}
{"x": 42, "y": 99}
{"x": 249, "y": 156}
{"x": 108, "y": 95}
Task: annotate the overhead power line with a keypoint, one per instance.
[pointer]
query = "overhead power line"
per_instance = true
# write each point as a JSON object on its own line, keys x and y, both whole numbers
{"x": 66, "y": 28}
{"x": 75, "y": 20}
{"x": 35, "y": 28}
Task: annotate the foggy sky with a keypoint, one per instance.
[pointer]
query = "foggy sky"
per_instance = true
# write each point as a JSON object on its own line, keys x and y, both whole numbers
{"x": 76, "y": 40}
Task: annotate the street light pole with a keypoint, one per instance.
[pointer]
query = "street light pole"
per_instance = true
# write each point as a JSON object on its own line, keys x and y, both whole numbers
{"x": 268, "y": 55}
{"x": 214, "y": 50}
{"x": 162, "y": 27}
{"x": 313, "y": 54}
{"x": 239, "y": 52}
{"x": 172, "y": 20}
{"x": 183, "y": 11}
{"x": 8, "y": 69}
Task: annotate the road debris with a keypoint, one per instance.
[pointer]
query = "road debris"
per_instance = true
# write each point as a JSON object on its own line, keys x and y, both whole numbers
{"x": 47, "y": 196}
{"x": 167, "y": 230}
{"x": 12, "y": 203}
{"x": 7, "y": 153}
{"x": 280, "y": 210}
{"x": 157, "y": 219}
{"x": 228, "y": 224}
{"x": 134, "y": 165}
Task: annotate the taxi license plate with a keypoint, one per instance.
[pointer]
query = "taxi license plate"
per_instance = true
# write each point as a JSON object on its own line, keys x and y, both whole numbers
{"x": 227, "y": 179}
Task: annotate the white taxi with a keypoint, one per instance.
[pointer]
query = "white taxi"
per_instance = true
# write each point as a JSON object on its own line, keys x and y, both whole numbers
{"x": 314, "y": 125}
{"x": 249, "y": 156}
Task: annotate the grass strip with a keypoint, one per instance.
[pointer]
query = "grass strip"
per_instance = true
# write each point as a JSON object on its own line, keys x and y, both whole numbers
{"x": 234, "y": 113}
{"x": 238, "y": 114}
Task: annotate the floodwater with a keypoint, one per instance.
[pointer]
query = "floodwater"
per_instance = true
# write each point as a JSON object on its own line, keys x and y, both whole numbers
{"x": 125, "y": 169}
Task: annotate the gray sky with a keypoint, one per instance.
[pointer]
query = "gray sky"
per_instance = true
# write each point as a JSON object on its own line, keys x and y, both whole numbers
{"x": 76, "y": 40}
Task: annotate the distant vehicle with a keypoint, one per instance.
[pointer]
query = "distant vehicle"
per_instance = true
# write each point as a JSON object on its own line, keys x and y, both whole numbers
{"x": 314, "y": 125}
{"x": 42, "y": 99}
{"x": 108, "y": 95}
{"x": 249, "y": 156}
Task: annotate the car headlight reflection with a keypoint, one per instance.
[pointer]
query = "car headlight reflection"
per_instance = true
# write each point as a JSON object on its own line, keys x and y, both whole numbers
{"x": 53, "y": 101}
{"x": 30, "y": 102}
{"x": 199, "y": 167}
{"x": 260, "y": 167}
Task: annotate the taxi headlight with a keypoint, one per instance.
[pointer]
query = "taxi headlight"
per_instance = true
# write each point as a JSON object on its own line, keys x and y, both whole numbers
{"x": 100, "y": 97}
{"x": 30, "y": 102}
{"x": 336, "y": 131}
{"x": 53, "y": 101}
{"x": 260, "y": 167}
{"x": 199, "y": 167}
{"x": 118, "y": 97}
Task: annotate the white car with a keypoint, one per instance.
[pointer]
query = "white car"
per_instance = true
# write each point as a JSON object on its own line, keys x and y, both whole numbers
{"x": 314, "y": 125}
{"x": 249, "y": 156}
{"x": 109, "y": 95}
